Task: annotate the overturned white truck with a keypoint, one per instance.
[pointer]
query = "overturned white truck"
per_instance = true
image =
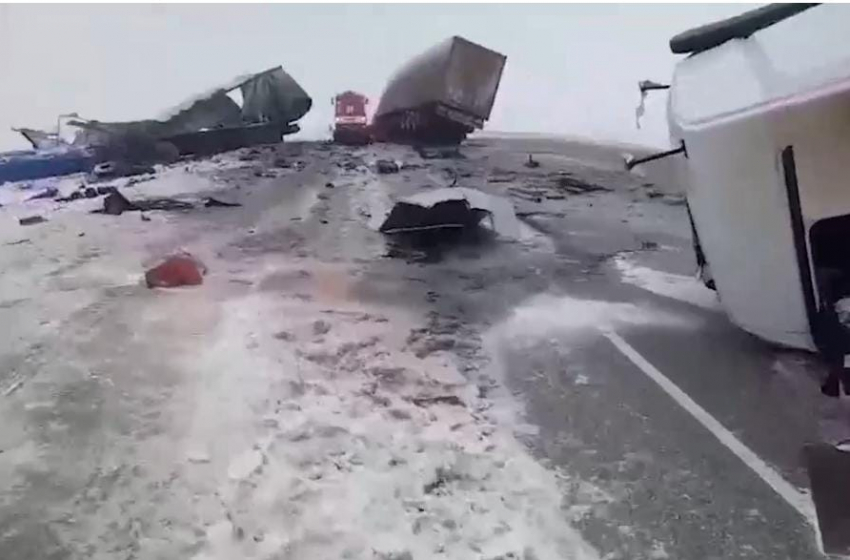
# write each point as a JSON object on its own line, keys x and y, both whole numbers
{"x": 760, "y": 109}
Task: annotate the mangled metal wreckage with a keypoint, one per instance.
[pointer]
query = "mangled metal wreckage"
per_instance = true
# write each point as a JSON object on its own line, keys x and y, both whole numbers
{"x": 251, "y": 109}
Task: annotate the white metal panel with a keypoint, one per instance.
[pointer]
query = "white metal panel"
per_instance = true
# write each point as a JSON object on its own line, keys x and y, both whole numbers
{"x": 802, "y": 53}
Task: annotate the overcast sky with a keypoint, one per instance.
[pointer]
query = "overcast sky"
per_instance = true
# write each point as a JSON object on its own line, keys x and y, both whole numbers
{"x": 571, "y": 70}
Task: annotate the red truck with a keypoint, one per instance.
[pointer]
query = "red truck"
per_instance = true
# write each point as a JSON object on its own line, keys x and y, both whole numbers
{"x": 350, "y": 122}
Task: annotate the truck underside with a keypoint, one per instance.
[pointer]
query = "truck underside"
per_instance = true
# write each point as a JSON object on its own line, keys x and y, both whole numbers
{"x": 429, "y": 124}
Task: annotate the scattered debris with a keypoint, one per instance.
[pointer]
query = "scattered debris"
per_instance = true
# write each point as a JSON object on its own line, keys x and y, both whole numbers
{"x": 211, "y": 202}
{"x": 177, "y": 270}
{"x": 443, "y": 477}
{"x": 30, "y": 220}
{"x": 329, "y": 185}
{"x": 499, "y": 175}
{"x": 577, "y": 186}
{"x": 439, "y": 152}
{"x": 90, "y": 192}
{"x": 384, "y": 166}
{"x": 452, "y": 400}
{"x": 139, "y": 179}
{"x": 106, "y": 189}
{"x": 451, "y": 208}
{"x": 116, "y": 204}
{"x": 532, "y": 163}
{"x": 49, "y": 192}
{"x": 166, "y": 204}
{"x": 113, "y": 169}
{"x": 321, "y": 327}
{"x": 285, "y": 336}
{"x": 76, "y": 195}
{"x": 528, "y": 193}
{"x": 250, "y": 155}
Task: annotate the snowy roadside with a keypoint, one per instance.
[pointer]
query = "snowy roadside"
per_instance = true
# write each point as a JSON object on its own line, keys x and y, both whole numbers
{"x": 265, "y": 414}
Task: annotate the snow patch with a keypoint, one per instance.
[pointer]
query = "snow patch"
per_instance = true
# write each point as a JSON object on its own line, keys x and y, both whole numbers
{"x": 675, "y": 286}
{"x": 546, "y": 314}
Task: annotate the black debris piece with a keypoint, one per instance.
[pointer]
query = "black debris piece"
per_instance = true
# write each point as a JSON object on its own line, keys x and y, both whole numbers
{"x": 90, "y": 192}
{"x": 410, "y": 216}
{"x": 329, "y": 185}
{"x": 532, "y": 163}
{"x": 139, "y": 179}
{"x": 168, "y": 204}
{"x": 31, "y": 220}
{"x": 112, "y": 169}
{"x": 116, "y": 204}
{"x": 577, "y": 186}
{"x": 440, "y": 399}
{"x": 281, "y": 163}
{"x": 49, "y": 192}
{"x": 384, "y": 166}
{"x": 443, "y": 477}
{"x": 105, "y": 190}
{"x": 211, "y": 202}
{"x": 76, "y": 195}
{"x": 450, "y": 208}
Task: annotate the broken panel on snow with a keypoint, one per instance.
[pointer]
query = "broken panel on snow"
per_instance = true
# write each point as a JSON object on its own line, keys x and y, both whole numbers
{"x": 451, "y": 208}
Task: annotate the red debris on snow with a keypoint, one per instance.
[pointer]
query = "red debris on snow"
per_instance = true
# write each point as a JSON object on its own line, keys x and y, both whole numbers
{"x": 178, "y": 270}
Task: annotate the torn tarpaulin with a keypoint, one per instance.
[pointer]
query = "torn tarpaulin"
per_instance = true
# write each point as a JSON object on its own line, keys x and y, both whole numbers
{"x": 451, "y": 208}
{"x": 266, "y": 108}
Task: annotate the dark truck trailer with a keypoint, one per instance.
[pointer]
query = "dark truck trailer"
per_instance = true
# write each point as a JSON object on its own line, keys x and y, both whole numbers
{"x": 441, "y": 95}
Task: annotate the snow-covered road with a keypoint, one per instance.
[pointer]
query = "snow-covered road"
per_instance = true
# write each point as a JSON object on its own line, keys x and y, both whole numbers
{"x": 317, "y": 399}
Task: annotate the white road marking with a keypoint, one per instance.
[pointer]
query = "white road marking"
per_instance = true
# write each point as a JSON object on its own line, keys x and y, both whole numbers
{"x": 799, "y": 500}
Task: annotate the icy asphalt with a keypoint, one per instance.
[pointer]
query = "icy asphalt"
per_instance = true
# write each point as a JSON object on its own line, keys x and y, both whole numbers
{"x": 327, "y": 394}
